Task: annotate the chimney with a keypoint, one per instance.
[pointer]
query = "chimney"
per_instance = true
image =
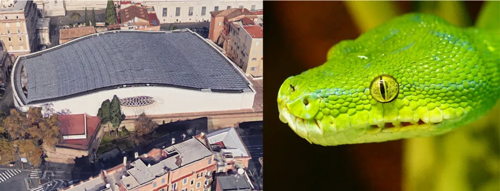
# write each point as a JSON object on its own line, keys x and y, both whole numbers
{"x": 125, "y": 161}
{"x": 178, "y": 161}
{"x": 136, "y": 155}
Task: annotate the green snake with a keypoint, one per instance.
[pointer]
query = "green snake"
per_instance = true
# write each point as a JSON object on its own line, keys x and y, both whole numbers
{"x": 416, "y": 75}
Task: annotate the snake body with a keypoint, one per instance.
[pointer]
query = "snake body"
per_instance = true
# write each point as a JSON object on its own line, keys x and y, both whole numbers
{"x": 416, "y": 75}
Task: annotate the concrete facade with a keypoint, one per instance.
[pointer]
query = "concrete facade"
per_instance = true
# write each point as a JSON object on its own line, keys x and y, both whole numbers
{"x": 167, "y": 100}
{"x": 245, "y": 48}
{"x": 175, "y": 11}
{"x": 51, "y": 8}
{"x": 18, "y": 20}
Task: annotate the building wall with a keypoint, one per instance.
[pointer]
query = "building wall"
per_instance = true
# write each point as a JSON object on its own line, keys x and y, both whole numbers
{"x": 170, "y": 15}
{"x": 216, "y": 28}
{"x": 65, "y": 155}
{"x": 72, "y": 5}
{"x": 18, "y": 30}
{"x": 244, "y": 51}
{"x": 51, "y": 8}
{"x": 192, "y": 173}
{"x": 168, "y": 100}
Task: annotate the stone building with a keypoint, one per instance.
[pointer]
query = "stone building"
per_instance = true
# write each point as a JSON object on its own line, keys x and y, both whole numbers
{"x": 240, "y": 33}
{"x": 18, "y": 20}
{"x": 5, "y": 64}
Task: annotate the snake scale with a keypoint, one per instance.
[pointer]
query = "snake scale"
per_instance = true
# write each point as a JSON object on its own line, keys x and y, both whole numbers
{"x": 416, "y": 75}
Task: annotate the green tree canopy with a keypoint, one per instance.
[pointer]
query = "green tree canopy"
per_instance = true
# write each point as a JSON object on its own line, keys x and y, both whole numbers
{"x": 110, "y": 13}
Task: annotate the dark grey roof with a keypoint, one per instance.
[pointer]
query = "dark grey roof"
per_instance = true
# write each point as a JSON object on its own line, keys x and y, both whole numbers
{"x": 107, "y": 60}
{"x": 234, "y": 182}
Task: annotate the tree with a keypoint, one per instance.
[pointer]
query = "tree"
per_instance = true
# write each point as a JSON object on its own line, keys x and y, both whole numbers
{"x": 110, "y": 13}
{"x": 29, "y": 150}
{"x": 7, "y": 152}
{"x": 115, "y": 112}
{"x": 143, "y": 126}
{"x": 14, "y": 125}
{"x": 76, "y": 16}
{"x": 87, "y": 21}
{"x": 105, "y": 115}
{"x": 93, "y": 17}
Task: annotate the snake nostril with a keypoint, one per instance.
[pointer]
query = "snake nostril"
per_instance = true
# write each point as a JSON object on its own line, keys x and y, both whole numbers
{"x": 292, "y": 87}
{"x": 305, "y": 101}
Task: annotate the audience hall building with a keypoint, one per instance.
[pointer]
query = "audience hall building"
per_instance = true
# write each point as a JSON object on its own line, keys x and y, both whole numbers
{"x": 157, "y": 73}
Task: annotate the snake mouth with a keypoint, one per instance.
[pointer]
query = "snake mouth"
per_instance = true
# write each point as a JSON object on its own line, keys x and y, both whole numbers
{"x": 329, "y": 133}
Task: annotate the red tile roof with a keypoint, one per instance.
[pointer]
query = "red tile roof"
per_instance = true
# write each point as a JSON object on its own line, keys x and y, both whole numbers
{"x": 255, "y": 31}
{"x": 71, "y": 33}
{"x": 74, "y": 124}
{"x": 131, "y": 12}
{"x": 247, "y": 21}
{"x": 153, "y": 19}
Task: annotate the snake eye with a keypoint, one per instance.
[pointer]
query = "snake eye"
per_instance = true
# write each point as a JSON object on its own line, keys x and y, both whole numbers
{"x": 384, "y": 88}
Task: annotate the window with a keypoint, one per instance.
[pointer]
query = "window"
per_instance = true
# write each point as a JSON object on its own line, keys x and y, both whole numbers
{"x": 228, "y": 7}
{"x": 254, "y": 59}
{"x": 210, "y": 160}
{"x": 164, "y": 12}
{"x": 241, "y": 6}
{"x": 163, "y": 180}
{"x": 190, "y": 13}
{"x": 203, "y": 11}
{"x": 197, "y": 184}
{"x": 20, "y": 39}
{"x": 184, "y": 181}
{"x": 252, "y": 68}
{"x": 192, "y": 182}
{"x": 10, "y": 39}
{"x": 177, "y": 11}
{"x": 253, "y": 8}
{"x": 216, "y": 8}
{"x": 174, "y": 186}
{"x": 154, "y": 184}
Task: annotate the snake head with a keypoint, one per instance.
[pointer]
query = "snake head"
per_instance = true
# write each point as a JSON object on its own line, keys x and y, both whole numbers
{"x": 414, "y": 76}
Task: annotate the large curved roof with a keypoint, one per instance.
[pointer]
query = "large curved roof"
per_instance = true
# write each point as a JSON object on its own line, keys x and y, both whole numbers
{"x": 112, "y": 59}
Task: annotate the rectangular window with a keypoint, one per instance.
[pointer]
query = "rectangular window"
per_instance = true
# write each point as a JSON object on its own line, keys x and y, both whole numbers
{"x": 164, "y": 12}
{"x": 163, "y": 180}
{"x": 184, "y": 181}
{"x": 192, "y": 182}
{"x": 197, "y": 184}
{"x": 241, "y": 6}
{"x": 253, "y": 8}
{"x": 174, "y": 186}
{"x": 203, "y": 11}
{"x": 177, "y": 11}
{"x": 190, "y": 13}
{"x": 216, "y": 8}
{"x": 154, "y": 184}
{"x": 228, "y": 7}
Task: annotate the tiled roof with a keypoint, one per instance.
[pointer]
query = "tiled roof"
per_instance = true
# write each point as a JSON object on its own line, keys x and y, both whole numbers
{"x": 231, "y": 13}
{"x": 74, "y": 124}
{"x": 131, "y": 12}
{"x": 108, "y": 60}
{"x": 255, "y": 31}
{"x": 71, "y": 33}
{"x": 153, "y": 19}
{"x": 247, "y": 21}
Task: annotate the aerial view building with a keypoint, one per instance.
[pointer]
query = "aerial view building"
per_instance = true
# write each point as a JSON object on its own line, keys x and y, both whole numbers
{"x": 151, "y": 72}
{"x": 18, "y": 20}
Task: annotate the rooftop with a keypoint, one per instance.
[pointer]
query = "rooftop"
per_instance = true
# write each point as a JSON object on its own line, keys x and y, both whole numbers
{"x": 131, "y": 12}
{"x": 178, "y": 155}
{"x": 255, "y": 31}
{"x": 12, "y": 5}
{"x": 233, "y": 182}
{"x": 112, "y": 59}
{"x": 71, "y": 33}
{"x": 75, "y": 124}
{"x": 231, "y": 141}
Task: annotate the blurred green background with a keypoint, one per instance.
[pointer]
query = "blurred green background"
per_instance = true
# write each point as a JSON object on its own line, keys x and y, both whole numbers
{"x": 298, "y": 35}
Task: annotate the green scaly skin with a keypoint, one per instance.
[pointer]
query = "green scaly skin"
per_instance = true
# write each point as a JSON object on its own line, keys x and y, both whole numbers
{"x": 447, "y": 76}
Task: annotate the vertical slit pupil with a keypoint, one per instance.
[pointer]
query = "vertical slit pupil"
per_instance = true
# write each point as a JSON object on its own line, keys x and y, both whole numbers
{"x": 382, "y": 87}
